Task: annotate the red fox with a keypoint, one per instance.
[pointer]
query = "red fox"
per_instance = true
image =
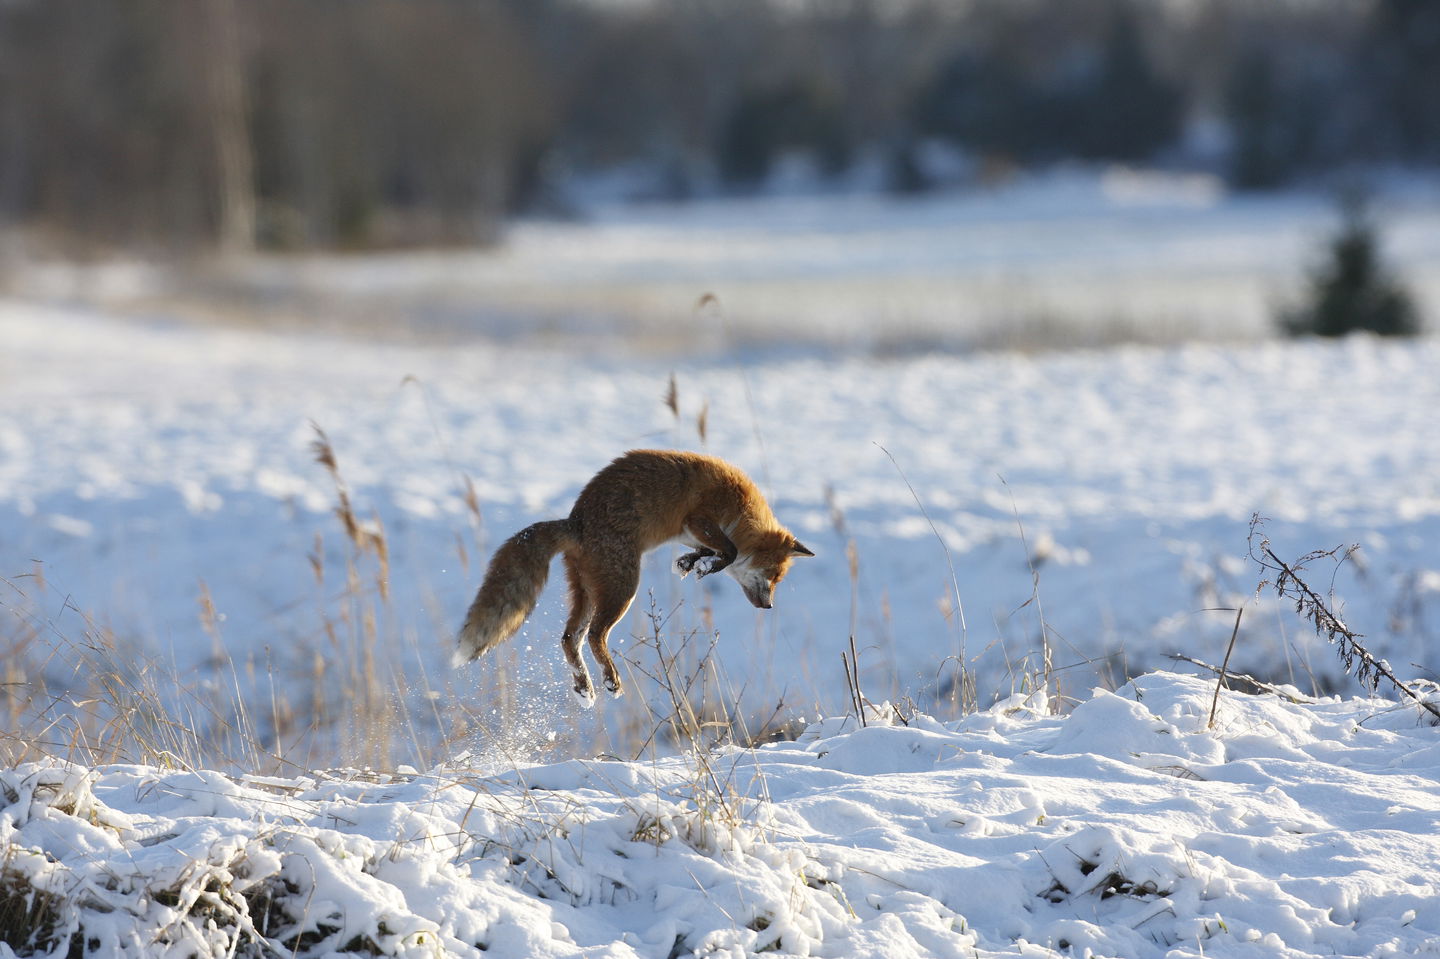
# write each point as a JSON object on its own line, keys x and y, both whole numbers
{"x": 641, "y": 500}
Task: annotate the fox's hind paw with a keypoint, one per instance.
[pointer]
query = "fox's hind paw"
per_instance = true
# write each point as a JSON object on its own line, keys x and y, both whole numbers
{"x": 584, "y": 691}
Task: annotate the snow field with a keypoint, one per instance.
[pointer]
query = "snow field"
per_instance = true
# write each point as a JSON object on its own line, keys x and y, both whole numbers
{"x": 1125, "y": 828}
{"x": 1061, "y": 258}
{"x": 171, "y": 498}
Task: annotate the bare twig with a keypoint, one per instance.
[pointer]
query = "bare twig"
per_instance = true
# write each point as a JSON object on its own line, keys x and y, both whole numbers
{"x": 1310, "y": 606}
{"x": 1259, "y": 684}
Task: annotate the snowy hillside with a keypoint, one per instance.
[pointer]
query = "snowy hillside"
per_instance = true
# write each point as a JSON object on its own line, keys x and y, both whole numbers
{"x": 1126, "y": 828}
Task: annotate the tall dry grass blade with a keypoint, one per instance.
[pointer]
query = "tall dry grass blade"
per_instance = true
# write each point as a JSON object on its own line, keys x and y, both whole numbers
{"x": 709, "y": 301}
{"x": 962, "y": 655}
{"x": 1047, "y": 654}
{"x": 1224, "y": 665}
{"x": 672, "y": 397}
{"x": 851, "y": 665}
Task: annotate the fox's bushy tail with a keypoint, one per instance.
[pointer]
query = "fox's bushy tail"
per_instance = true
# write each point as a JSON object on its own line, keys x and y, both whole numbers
{"x": 511, "y": 586}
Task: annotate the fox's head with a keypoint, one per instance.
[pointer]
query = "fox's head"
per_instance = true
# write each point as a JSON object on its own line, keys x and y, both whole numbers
{"x": 761, "y": 569}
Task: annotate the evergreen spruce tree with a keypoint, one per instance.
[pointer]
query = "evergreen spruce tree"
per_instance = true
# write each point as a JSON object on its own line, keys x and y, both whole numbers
{"x": 1352, "y": 291}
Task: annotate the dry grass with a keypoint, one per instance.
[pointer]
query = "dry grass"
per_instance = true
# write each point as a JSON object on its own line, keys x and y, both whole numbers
{"x": 32, "y": 921}
{"x": 349, "y": 687}
{"x": 355, "y": 690}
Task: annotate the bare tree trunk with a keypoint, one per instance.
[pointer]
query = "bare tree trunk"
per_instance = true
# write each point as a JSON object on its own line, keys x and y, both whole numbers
{"x": 235, "y": 162}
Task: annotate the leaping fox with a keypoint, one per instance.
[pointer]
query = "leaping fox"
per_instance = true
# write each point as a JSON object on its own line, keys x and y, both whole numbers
{"x": 640, "y": 501}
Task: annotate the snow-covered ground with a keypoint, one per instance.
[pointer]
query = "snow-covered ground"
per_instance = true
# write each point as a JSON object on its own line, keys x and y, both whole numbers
{"x": 157, "y": 481}
{"x": 1126, "y": 828}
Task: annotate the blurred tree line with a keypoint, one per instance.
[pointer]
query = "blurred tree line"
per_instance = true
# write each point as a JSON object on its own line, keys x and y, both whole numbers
{"x": 348, "y": 123}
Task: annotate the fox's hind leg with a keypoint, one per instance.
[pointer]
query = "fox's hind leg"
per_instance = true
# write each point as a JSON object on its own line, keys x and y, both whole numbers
{"x": 581, "y": 609}
{"x": 613, "y": 597}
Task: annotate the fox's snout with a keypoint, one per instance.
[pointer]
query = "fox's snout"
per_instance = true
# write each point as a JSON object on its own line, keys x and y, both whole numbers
{"x": 758, "y": 579}
{"x": 759, "y": 593}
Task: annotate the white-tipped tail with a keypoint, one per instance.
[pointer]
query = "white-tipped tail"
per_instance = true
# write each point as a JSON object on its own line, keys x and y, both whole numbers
{"x": 511, "y": 587}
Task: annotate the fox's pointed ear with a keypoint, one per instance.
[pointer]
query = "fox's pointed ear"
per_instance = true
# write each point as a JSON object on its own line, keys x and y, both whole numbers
{"x": 798, "y": 548}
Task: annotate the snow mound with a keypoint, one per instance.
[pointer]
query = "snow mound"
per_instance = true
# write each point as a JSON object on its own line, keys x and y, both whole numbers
{"x": 1127, "y": 828}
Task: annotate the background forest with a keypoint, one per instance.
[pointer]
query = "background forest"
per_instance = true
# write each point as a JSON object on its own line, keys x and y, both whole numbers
{"x": 287, "y": 124}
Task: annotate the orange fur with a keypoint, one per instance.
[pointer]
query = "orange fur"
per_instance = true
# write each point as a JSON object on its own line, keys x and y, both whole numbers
{"x": 641, "y": 500}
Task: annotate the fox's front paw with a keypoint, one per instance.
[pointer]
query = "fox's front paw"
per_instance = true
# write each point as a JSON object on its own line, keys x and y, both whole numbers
{"x": 684, "y": 564}
{"x": 706, "y": 565}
